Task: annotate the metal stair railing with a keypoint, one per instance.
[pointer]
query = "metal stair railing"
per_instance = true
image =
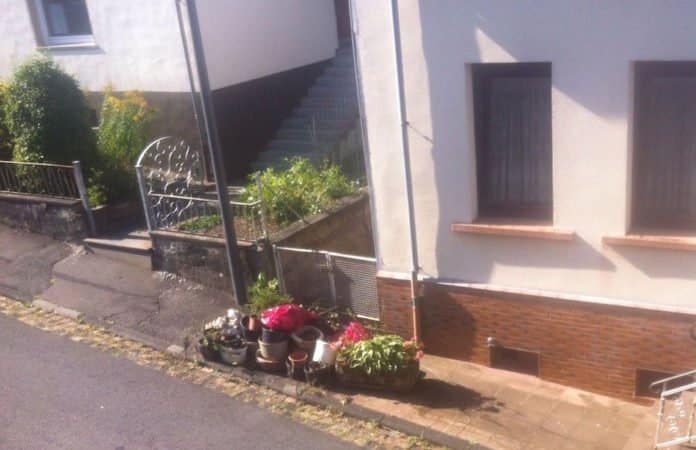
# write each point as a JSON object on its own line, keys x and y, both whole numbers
{"x": 676, "y": 411}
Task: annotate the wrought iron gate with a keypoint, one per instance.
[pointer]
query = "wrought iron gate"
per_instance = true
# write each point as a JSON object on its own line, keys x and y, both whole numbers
{"x": 675, "y": 417}
{"x": 333, "y": 279}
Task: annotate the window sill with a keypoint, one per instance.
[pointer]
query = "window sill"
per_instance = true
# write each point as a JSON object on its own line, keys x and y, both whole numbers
{"x": 515, "y": 230}
{"x": 665, "y": 242}
{"x": 66, "y": 47}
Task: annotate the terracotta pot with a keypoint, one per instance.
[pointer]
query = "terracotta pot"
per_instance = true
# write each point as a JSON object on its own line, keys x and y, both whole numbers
{"x": 298, "y": 358}
{"x": 251, "y": 328}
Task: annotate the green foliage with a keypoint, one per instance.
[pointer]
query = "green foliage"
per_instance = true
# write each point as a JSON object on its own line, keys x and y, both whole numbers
{"x": 5, "y": 141}
{"x": 122, "y": 135}
{"x": 381, "y": 355}
{"x": 264, "y": 294}
{"x": 47, "y": 115}
{"x": 300, "y": 190}
{"x": 96, "y": 192}
{"x": 201, "y": 224}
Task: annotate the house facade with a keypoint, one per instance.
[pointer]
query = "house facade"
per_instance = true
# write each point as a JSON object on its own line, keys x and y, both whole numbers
{"x": 261, "y": 57}
{"x": 552, "y": 168}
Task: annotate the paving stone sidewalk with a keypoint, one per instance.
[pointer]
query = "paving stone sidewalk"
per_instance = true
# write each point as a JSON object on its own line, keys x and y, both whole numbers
{"x": 466, "y": 402}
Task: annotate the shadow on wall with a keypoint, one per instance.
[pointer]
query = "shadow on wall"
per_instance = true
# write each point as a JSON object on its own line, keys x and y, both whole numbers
{"x": 596, "y": 91}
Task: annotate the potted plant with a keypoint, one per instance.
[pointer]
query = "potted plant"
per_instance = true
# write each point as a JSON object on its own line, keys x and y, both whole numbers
{"x": 383, "y": 362}
{"x": 317, "y": 373}
{"x": 233, "y": 349}
{"x": 325, "y": 351}
{"x": 296, "y": 363}
{"x": 209, "y": 345}
{"x": 306, "y": 337}
{"x": 251, "y": 327}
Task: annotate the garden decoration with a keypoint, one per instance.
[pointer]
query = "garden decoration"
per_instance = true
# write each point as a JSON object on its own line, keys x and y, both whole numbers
{"x": 233, "y": 348}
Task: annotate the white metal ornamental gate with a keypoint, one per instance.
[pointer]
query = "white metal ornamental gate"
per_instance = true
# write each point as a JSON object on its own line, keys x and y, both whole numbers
{"x": 332, "y": 279}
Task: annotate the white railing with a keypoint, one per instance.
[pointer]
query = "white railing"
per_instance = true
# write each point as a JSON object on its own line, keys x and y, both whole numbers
{"x": 675, "y": 417}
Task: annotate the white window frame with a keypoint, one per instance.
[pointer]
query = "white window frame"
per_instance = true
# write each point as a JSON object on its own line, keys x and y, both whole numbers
{"x": 57, "y": 41}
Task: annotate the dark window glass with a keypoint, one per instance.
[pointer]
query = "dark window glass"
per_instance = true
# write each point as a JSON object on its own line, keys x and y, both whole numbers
{"x": 66, "y": 17}
{"x": 512, "y": 114}
{"x": 664, "y": 174}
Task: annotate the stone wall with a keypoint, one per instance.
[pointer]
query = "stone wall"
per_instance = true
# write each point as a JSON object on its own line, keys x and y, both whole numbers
{"x": 60, "y": 219}
{"x": 345, "y": 229}
{"x": 600, "y": 348}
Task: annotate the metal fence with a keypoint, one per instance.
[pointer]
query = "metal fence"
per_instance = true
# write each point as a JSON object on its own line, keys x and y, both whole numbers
{"x": 331, "y": 279}
{"x": 677, "y": 410}
{"x": 50, "y": 180}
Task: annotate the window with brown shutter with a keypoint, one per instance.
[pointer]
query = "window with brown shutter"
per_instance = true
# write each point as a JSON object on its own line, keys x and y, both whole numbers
{"x": 664, "y": 165}
{"x": 512, "y": 116}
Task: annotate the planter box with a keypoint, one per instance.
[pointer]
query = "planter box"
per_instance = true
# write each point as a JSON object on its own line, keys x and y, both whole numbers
{"x": 401, "y": 381}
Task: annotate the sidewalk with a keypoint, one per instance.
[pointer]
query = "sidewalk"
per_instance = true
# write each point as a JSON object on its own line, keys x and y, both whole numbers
{"x": 457, "y": 401}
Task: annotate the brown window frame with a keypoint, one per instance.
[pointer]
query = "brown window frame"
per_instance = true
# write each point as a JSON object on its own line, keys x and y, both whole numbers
{"x": 644, "y": 71}
{"x": 482, "y": 75}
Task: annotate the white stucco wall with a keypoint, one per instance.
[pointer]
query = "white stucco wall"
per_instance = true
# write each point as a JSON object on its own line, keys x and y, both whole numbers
{"x": 138, "y": 45}
{"x": 245, "y": 40}
{"x": 591, "y": 46}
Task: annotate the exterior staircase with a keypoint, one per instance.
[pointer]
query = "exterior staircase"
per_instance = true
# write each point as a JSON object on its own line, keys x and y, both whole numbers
{"x": 132, "y": 247}
{"x": 322, "y": 119}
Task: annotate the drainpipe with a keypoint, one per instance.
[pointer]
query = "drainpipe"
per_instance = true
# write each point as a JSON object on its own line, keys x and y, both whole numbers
{"x": 216, "y": 160}
{"x": 408, "y": 180}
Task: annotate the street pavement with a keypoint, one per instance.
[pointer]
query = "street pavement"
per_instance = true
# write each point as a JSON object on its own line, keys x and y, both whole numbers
{"x": 60, "y": 394}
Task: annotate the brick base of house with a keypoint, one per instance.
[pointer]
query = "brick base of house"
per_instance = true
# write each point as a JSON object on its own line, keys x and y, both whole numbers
{"x": 599, "y": 348}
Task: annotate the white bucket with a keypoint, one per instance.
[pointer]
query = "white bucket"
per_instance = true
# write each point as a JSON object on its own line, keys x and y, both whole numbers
{"x": 323, "y": 352}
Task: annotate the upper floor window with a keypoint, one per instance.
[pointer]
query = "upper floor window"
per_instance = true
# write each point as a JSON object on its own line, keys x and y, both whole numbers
{"x": 664, "y": 173}
{"x": 63, "y": 22}
{"x": 512, "y": 116}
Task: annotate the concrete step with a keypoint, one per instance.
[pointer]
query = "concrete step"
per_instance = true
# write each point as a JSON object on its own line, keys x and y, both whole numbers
{"x": 305, "y": 134}
{"x": 338, "y": 92}
{"x": 339, "y": 71}
{"x": 304, "y": 123}
{"x": 293, "y": 146}
{"x": 342, "y": 81}
{"x": 134, "y": 249}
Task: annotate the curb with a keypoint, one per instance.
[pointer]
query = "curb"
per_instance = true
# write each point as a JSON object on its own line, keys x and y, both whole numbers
{"x": 292, "y": 388}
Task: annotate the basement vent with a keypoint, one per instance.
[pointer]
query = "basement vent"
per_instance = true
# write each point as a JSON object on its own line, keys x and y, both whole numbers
{"x": 514, "y": 360}
{"x": 644, "y": 377}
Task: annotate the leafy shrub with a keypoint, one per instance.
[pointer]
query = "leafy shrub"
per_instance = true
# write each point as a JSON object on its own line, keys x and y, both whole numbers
{"x": 264, "y": 294}
{"x": 300, "y": 190}
{"x": 201, "y": 224}
{"x": 47, "y": 115}
{"x": 381, "y": 355}
{"x": 5, "y": 141}
{"x": 96, "y": 192}
{"x": 122, "y": 135}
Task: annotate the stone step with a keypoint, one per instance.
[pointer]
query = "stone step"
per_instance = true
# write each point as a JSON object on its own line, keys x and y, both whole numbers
{"x": 338, "y": 92}
{"x": 304, "y": 123}
{"x": 302, "y": 134}
{"x": 134, "y": 249}
{"x": 342, "y": 81}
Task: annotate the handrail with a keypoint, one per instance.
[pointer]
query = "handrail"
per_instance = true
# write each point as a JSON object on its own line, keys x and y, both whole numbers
{"x": 664, "y": 381}
{"x": 202, "y": 199}
{"x": 23, "y": 163}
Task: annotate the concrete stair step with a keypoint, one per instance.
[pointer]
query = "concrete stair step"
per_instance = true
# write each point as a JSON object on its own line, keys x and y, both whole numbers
{"x": 304, "y": 123}
{"x": 134, "y": 248}
{"x": 322, "y": 134}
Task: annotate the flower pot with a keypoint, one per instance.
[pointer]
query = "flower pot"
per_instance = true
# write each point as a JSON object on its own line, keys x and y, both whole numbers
{"x": 403, "y": 380}
{"x": 233, "y": 356}
{"x": 268, "y": 365}
{"x": 270, "y": 336}
{"x": 275, "y": 351}
{"x": 324, "y": 352}
{"x": 251, "y": 328}
{"x": 208, "y": 352}
{"x": 306, "y": 337}
{"x": 317, "y": 374}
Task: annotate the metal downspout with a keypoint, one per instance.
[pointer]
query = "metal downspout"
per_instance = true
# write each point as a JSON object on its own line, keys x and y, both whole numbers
{"x": 408, "y": 180}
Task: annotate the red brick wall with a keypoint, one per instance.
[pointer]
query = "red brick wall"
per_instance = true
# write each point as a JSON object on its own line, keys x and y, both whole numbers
{"x": 589, "y": 346}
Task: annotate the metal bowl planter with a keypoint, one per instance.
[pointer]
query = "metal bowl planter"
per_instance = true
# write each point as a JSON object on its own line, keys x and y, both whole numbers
{"x": 324, "y": 352}
{"x": 306, "y": 338}
{"x": 233, "y": 356}
{"x": 403, "y": 380}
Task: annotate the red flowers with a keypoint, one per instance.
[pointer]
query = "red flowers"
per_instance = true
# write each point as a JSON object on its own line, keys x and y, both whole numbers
{"x": 355, "y": 332}
{"x": 287, "y": 318}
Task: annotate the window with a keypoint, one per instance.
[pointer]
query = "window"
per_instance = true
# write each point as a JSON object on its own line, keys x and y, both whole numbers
{"x": 63, "y": 22}
{"x": 664, "y": 171}
{"x": 512, "y": 116}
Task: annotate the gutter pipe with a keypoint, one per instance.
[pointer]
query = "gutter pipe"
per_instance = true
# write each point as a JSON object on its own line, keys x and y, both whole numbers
{"x": 408, "y": 179}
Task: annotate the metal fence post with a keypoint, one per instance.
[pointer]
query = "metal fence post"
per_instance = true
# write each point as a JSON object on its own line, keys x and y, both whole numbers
{"x": 82, "y": 190}
{"x": 279, "y": 270}
{"x": 143, "y": 195}
{"x": 332, "y": 278}
{"x": 259, "y": 188}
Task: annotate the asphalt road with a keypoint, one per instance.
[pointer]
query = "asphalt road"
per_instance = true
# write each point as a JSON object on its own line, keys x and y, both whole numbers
{"x": 59, "y": 394}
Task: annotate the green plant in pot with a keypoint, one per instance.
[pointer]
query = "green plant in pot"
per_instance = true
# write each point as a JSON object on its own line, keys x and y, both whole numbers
{"x": 209, "y": 344}
{"x": 385, "y": 361}
{"x": 265, "y": 294}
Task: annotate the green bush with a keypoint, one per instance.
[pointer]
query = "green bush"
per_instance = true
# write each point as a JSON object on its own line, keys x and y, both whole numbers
{"x": 47, "y": 115}
{"x": 122, "y": 135}
{"x": 201, "y": 224}
{"x": 301, "y": 190}
{"x": 381, "y": 355}
{"x": 5, "y": 141}
{"x": 264, "y": 294}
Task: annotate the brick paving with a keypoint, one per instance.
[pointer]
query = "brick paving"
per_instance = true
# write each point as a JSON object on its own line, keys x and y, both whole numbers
{"x": 505, "y": 410}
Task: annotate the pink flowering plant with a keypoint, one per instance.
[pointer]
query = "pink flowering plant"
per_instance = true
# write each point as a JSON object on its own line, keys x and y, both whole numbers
{"x": 355, "y": 332}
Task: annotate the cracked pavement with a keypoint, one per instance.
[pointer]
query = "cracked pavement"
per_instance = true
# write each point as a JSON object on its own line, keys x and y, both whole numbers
{"x": 158, "y": 305}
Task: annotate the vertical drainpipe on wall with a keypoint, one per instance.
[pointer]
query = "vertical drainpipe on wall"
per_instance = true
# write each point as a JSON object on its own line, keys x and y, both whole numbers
{"x": 233, "y": 259}
{"x": 415, "y": 298}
